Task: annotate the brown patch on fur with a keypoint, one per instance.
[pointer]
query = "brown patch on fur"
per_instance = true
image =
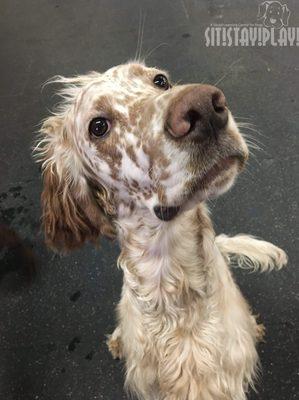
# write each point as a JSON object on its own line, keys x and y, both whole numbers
{"x": 153, "y": 150}
{"x": 131, "y": 153}
{"x": 147, "y": 194}
{"x": 105, "y": 105}
{"x": 161, "y": 195}
{"x": 164, "y": 175}
{"x": 135, "y": 184}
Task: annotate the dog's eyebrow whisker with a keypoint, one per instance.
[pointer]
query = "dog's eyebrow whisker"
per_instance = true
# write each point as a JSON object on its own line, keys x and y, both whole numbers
{"x": 138, "y": 35}
{"x": 141, "y": 26}
{"x": 150, "y": 52}
{"x": 141, "y": 39}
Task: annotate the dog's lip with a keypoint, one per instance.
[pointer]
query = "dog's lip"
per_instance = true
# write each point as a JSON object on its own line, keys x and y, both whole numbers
{"x": 220, "y": 166}
{"x": 165, "y": 213}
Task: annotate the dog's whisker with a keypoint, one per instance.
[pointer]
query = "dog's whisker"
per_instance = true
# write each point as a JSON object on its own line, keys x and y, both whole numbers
{"x": 149, "y": 53}
{"x": 140, "y": 38}
{"x": 250, "y": 127}
{"x": 136, "y": 58}
{"x": 241, "y": 117}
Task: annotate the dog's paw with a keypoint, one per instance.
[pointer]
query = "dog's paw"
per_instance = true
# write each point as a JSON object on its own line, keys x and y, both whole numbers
{"x": 114, "y": 344}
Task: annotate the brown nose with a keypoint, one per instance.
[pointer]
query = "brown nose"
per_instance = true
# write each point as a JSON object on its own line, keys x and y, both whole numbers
{"x": 200, "y": 108}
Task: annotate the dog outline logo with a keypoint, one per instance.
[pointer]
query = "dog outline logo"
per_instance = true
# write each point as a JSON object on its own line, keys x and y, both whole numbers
{"x": 274, "y": 14}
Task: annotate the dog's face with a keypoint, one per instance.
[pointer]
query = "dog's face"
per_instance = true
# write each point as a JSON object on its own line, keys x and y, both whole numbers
{"x": 274, "y": 14}
{"x": 141, "y": 142}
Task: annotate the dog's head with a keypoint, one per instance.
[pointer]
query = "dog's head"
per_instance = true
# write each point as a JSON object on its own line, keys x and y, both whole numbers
{"x": 274, "y": 14}
{"x": 126, "y": 140}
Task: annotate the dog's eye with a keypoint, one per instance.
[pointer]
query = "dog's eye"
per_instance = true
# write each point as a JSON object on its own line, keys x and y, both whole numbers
{"x": 161, "y": 81}
{"x": 99, "y": 127}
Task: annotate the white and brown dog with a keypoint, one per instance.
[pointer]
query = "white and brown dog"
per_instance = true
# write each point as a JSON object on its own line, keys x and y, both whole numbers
{"x": 127, "y": 154}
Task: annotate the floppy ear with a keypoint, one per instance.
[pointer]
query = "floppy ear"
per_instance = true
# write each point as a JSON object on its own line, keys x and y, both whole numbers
{"x": 263, "y": 7}
{"x": 285, "y": 15}
{"x": 72, "y": 210}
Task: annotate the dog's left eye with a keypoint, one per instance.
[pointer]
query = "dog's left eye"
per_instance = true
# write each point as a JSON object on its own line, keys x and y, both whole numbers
{"x": 99, "y": 127}
{"x": 161, "y": 81}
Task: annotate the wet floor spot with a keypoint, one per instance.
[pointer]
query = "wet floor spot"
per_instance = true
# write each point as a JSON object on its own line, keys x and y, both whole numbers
{"x": 186, "y": 35}
{"x": 63, "y": 370}
{"x": 15, "y": 254}
{"x": 73, "y": 344}
{"x": 89, "y": 356}
{"x": 75, "y": 296}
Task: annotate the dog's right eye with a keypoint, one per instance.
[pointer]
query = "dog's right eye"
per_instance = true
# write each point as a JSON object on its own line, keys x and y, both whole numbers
{"x": 161, "y": 81}
{"x": 99, "y": 127}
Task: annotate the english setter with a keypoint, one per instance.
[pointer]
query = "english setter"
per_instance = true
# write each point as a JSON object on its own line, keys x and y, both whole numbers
{"x": 129, "y": 155}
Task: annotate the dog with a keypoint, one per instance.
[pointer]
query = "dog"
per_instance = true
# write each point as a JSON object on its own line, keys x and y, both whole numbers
{"x": 274, "y": 14}
{"x": 128, "y": 154}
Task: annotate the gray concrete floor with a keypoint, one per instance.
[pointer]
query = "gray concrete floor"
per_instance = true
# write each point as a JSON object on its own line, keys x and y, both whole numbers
{"x": 52, "y": 331}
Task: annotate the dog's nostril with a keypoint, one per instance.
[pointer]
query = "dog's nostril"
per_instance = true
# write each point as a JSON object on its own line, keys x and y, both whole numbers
{"x": 192, "y": 117}
{"x": 219, "y": 102}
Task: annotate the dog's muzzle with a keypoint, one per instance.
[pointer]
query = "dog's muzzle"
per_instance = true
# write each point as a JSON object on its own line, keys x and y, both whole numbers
{"x": 166, "y": 213}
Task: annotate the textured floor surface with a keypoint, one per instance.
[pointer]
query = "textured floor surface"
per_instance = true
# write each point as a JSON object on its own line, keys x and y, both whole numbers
{"x": 52, "y": 331}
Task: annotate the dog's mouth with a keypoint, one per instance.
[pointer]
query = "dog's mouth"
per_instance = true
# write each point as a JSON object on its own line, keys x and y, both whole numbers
{"x": 273, "y": 20}
{"x": 219, "y": 169}
{"x": 166, "y": 213}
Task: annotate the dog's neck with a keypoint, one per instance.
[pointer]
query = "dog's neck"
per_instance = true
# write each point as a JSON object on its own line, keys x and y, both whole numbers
{"x": 167, "y": 261}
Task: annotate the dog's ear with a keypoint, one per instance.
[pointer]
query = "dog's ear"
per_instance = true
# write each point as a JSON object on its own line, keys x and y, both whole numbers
{"x": 263, "y": 8}
{"x": 285, "y": 15}
{"x": 73, "y": 211}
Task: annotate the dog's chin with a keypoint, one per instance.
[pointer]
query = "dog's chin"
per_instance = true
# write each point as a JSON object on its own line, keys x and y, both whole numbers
{"x": 216, "y": 181}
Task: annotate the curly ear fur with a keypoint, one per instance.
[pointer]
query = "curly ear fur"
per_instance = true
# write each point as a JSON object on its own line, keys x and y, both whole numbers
{"x": 72, "y": 211}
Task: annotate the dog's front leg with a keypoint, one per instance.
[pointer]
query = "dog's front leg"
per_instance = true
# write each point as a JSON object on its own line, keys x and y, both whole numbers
{"x": 249, "y": 252}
